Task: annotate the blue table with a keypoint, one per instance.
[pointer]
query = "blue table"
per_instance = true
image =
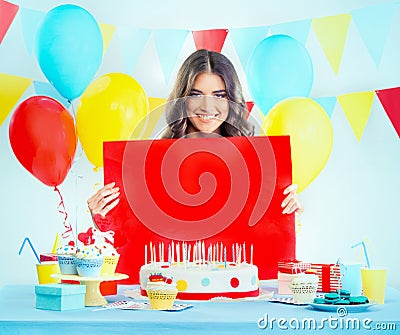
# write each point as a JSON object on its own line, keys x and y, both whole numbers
{"x": 19, "y": 316}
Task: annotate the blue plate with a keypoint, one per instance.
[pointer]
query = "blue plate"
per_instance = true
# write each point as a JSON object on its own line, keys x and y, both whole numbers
{"x": 339, "y": 309}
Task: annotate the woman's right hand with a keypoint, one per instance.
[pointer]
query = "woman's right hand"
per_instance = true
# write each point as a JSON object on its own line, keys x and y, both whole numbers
{"x": 104, "y": 200}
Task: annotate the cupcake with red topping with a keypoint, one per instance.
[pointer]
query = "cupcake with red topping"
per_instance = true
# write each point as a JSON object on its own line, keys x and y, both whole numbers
{"x": 161, "y": 291}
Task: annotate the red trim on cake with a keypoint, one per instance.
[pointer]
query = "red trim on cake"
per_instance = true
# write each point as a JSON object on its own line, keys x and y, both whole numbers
{"x": 210, "y": 295}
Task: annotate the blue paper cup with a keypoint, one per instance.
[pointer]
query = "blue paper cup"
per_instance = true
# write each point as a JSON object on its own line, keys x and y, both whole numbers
{"x": 351, "y": 278}
{"x": 67, "y": 264}
{"x": 89, "y": 267}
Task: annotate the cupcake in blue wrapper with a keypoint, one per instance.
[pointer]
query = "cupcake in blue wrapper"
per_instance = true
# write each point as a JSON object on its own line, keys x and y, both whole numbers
{"x": 88, "y": 261}
{"x": 66, "y": 259}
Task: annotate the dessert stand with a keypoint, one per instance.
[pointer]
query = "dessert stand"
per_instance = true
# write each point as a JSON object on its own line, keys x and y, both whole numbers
{"x": 93, "y": 296}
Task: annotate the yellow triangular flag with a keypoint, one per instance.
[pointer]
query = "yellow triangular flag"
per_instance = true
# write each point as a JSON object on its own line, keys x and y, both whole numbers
{"x": 146, "y": 126}
{"x": 357, "y": 108}
{"x": 156, "y": 110}
{"x": 331, "y": 32}
{"x": 107, "y": 31}
{"x": 11, "y": 90}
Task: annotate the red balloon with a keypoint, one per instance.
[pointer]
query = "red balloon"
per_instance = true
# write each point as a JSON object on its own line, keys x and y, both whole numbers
{"x": 43, "y": 138}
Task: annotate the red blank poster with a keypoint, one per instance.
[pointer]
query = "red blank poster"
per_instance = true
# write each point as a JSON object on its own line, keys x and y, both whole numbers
{"x": 217, "y": 190}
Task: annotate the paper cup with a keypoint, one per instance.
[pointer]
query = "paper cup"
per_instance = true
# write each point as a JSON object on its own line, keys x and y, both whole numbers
{"x": 67, "y": 264}
{"x": 161, "y": 300}
{"x": 45, "y": 270}
{"x": 109, "y": 265}
{"x": 374, "y": 284}
{"x": 351, "y": 280}
{"x": 304, "y": 293}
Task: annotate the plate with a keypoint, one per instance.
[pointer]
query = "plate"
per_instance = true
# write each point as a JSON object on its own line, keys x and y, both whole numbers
{"x": 335, "y": 308}
{"x": 146, "y": 306}
{"x": 286, "y": 300}
{"x": 135, "y": 305}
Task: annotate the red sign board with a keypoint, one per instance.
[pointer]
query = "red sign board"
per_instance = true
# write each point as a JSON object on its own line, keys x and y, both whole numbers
{"x": 218, "y": 190}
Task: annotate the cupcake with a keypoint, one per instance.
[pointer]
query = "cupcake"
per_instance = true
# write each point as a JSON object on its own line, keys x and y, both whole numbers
{"x": 161, "y": 292}
{"x": 111, "y": 257}
{"x": 88, "y": 261}
{"x": 304, "y": 287}
{"x": 66, "y": 259}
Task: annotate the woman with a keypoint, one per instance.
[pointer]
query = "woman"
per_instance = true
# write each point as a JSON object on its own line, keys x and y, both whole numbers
{"x": 207, "y": 100}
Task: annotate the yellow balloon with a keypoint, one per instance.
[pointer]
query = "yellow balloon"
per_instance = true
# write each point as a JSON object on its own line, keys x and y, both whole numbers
{"x": 109, "y": 110}
{"x": 311, "y": 136}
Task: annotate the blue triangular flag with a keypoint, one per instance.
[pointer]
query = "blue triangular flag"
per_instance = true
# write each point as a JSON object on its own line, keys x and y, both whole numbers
{"x": 299, "y": 30}
{"x": 46, "y": 89}
{"x": 245, "y": 40}
{"x": 132, "y": 42}
{"x": 327, "y": 103}
{"x": 169, "y": 44}
{"x": 374, "y": 23}
{"x": 30, "y": 20}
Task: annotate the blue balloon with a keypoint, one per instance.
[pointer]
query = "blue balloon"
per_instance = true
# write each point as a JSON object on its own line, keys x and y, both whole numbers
{"x": 69, "y": 49}
{"x": 278, "y": 68}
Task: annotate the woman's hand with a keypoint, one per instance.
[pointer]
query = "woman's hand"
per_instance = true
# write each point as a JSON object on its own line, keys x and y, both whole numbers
{"x": 104, "y": 200}
{"x": 291, "y": 203}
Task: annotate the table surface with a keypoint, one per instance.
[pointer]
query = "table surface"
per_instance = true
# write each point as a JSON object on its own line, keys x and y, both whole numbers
{"x": 18, "y": 315}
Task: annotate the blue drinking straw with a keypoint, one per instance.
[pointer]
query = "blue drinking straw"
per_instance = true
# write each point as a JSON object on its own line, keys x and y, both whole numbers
{"x": 33, "y": 249}
{"x": 365, "y": 252}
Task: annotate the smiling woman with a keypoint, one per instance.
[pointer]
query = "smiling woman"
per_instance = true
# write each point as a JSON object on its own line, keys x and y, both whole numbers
{"x": 207, "y": 97}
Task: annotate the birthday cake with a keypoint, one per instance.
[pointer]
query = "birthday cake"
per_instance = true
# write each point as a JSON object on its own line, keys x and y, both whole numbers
{"x": 204, "y": 278}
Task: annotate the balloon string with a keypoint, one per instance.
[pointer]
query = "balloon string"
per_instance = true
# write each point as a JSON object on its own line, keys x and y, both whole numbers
{"x": 61, "y": 209}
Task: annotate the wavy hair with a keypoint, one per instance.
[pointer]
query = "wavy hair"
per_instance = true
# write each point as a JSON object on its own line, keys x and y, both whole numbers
{"x": 205, "y": 61}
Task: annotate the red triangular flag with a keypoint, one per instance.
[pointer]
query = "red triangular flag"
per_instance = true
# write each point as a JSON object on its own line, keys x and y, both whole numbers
{"x": 212, "y": 40}
{"x": 249, "y": 105}
{"x": 390, "y": 100}
{"x": 7, "y": 14}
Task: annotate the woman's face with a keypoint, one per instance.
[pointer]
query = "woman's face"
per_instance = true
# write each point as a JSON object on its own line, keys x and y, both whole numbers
{"x": 207, "y": 105}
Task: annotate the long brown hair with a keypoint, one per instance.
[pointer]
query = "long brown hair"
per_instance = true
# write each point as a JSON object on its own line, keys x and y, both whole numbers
{"x": 205, "y": 61}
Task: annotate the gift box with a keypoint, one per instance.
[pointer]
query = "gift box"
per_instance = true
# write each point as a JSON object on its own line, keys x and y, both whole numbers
{"x": 293, "y": 266}
{"x": 60, "y": 297}
{"x": 329, "y": 276}
{"x": 286, "y": 270}
{"x": 284, "y": 280}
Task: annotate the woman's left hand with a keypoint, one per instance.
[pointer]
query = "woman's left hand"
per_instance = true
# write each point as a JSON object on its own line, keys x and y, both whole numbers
{"x": 291, "y": 203}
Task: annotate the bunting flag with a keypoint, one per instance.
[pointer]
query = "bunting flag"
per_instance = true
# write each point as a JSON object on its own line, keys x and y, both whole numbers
{"x": 169, "y": 44}
{"x": 357, "y": 108}
{"x": 132, "y": 42}
{"x": 11, "y": 90}
{"x": 156, "y": 109}
{"x": 374, "y": 24}
{"x": 212, "y": 40}
{"x": 331, "y": 32}
{"x": 327, "y": 103}
{"x": 245, "y": 40}
{"x": 249, "y": 105}
{"x": 144, "y": 130}
{"x": 30, "y": 20}
{"x": 299, "y": 30}
{"x": 7, "y": 15}
{"x": 390, "y": 100}
{"x": 107, "y": 31}
{"x": 46, "y": 89}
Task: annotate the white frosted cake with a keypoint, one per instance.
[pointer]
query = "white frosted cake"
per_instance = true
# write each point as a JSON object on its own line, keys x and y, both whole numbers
{"x": 206, "y": 280}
